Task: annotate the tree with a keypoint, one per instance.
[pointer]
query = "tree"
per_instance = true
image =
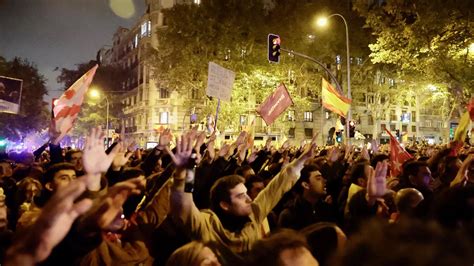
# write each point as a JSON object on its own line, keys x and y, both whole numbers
{"x": 427, "y": 41}
{"x": 33, "y": 115}
{"x": 196, "y": 35}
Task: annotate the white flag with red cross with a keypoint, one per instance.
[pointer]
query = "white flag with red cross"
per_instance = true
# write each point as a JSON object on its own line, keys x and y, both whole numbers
{"x": 68, "y": 106}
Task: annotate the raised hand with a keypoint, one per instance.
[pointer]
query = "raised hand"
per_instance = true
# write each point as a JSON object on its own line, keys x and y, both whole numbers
{"x": 184, "y": 149}
{"x": 53, "y": 224}
{"x": 296, "y": 165}
{"x": 241, "y": 138}
{"x": 224, "y": 150}
{"x": 241, "y": 151}
{"x": 165, "y": 138}
{"x": 94, "y": 158}
{"x": 121, "y": 158}
{"x": 111, "y": 204}
{"x": 365, "y": 153}
{"x": 201, "y": 137}
{"x": 377, "y": 182}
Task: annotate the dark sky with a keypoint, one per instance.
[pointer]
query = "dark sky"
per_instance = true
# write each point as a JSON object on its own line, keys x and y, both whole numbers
{"x": 59, "y": 33}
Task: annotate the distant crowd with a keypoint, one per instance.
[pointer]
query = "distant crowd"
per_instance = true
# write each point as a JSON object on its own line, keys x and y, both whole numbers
{"x": 189, "y": 202}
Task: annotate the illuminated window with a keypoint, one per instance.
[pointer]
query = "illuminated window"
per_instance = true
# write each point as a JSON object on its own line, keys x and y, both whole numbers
{"x": 308, "y": 116}
{"x": 164, "y": 117}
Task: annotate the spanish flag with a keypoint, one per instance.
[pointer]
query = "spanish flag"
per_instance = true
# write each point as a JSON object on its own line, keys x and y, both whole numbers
{"x": 333, "y": 100}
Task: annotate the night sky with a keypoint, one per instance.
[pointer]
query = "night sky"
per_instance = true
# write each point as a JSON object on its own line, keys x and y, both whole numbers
{"x": 60, "y": 33}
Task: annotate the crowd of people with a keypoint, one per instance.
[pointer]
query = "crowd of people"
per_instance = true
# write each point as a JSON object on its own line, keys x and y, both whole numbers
{"x": 189, "y": 202}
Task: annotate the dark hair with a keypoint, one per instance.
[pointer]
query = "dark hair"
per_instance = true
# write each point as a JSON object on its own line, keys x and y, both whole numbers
{"x": 409, "y": 242}
{"x": 305, "y": 174}
{"x": 252, "y": 179}
{"x": 357, "y": 171}
{"x": 267, "y": 251}
{"x": 242, "y": 169}
{"x": 378, "y": 158}
{"x": 53, "y": 169}
{"x": 322, "y": 240}
{"x": 409, "y": 167}
{"x": 68, "y": 155}
{"x": 220, "y": 190}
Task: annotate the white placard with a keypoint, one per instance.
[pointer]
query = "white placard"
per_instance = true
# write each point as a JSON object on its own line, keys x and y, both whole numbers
{"x": 219, "y": 82}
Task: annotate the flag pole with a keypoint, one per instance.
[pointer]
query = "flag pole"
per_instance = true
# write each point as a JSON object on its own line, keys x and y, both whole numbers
{"x": 217, "y": 113}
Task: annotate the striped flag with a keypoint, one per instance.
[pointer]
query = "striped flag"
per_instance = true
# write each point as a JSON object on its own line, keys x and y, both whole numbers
{"x": 67, "y": 107}
{"x": 333, "y": 100}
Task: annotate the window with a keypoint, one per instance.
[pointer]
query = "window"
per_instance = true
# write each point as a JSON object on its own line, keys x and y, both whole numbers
{"x": 291, "y": 115}
{"x": 197, "y": 2}
{"x": 148, "y": 28}
{"x": 164, "y": 117}
{"x": 308, "y": 132}
{"x": 135, "y": 41}
{"x": 439, "y": 124}
{"x": 164, "y": 93}
{"x": 308, "y": 116}
{"x": 194, "y": 94}
{"x": 392, "y": 127}
{"x": 291, "y": 132}
{"x": 413, "y": 128}
{"x": 404, "y": 128}
{"x": 370, "y": 120}
{"x": 383, "y": 126}
{"x": 243, "y": 120}
{"x": 143, "y": 29}
{"x": 413, "y": 116}
{"x": 427, "y": 123}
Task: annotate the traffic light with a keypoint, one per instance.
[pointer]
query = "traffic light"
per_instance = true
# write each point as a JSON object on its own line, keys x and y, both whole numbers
{"x": 273, "y": 48}
{"x": 351, "y": 129}
{"x": 339, "y": 136}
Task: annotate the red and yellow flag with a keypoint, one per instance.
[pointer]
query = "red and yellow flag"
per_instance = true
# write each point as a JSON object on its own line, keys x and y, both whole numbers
{"x": 333, "y": 100}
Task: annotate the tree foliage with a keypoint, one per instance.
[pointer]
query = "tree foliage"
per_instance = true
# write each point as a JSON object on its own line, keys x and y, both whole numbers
{"x": 234, "y": 35}
{"x": 33, "y": 115}
{"x": 426, "y": 41}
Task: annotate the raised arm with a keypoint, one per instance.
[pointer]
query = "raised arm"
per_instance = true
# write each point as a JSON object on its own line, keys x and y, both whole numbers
{"x": 283, "y": 182}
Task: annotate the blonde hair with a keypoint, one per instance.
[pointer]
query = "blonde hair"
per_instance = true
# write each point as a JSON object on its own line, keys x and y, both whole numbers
{"x": 186, "y": 255}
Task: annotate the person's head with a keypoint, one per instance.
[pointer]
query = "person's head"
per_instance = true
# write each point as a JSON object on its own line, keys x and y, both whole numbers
{"x": 254, "y": 185}
{"x": 324, "y": 240}
{"x": 3, "y": 211}
{"x": 360, "y": 174}
{"x": 6, "y": 169}
{"x": 74, "y": 157}
{"x": 28, "y": 189}
{"x": 58, "y": 176}
{"x": 229, "y": 196}
{"x": 407, "y": 199}
{"x": 311, "y": 182}
{"x": 378, "y": 158}
{"x": 245, "y": 171}
{"x": 448, "y": 168}
{"x": 417, "y": 174}
{"x": 286, "y": 247}
{"x": 409, "y": 242}
{"x": 193, "y": 254}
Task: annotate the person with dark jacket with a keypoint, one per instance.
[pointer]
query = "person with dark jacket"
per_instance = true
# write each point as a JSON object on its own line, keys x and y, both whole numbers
{"x": 310, "y": 205}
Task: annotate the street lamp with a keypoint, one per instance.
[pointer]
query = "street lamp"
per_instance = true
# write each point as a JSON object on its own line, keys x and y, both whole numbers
{"x": 323, "y": 22}
{"x": 94, "y": 93}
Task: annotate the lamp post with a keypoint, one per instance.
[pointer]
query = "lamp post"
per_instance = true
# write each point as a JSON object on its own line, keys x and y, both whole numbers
{"x": 96, "y": 94}
{"x": 323, "y": 22}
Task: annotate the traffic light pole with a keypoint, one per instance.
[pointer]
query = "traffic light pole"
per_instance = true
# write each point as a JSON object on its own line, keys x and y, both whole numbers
{"x": 333, "y": 78}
